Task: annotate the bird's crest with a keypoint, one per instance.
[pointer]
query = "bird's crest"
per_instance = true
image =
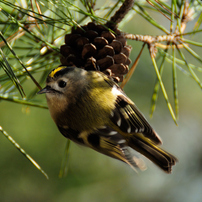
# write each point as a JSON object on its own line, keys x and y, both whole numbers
{"x": 54, "y": 71}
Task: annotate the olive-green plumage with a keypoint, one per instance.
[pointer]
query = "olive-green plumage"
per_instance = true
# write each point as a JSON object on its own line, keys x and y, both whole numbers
{"x": 91, "y": 110}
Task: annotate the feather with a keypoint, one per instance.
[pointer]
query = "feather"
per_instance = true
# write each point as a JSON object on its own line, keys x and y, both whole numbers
{"x": 157, "y": 155}
{"x": 129, "y": 120}
{"x": 127, "y": 116}
{"x": 106, "y": 141}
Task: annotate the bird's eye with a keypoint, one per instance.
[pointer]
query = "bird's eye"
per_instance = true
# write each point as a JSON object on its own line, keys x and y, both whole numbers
{"x": 62, "y": 84}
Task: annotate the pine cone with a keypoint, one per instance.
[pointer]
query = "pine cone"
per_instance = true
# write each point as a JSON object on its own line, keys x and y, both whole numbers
{"x": 94, "y": 47}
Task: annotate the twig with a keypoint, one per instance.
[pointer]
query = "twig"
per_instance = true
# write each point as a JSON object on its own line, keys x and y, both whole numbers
{"x": 120, "y": 14}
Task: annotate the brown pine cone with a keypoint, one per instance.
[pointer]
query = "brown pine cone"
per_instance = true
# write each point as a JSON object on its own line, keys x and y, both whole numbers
{"x": 94, "y": 47}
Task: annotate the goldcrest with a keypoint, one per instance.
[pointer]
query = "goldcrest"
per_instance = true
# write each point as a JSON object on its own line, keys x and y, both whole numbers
{"x": 92, "y": 110}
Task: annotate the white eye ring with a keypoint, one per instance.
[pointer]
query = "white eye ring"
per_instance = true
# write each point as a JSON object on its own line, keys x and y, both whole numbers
{"x": 62, "y": 84}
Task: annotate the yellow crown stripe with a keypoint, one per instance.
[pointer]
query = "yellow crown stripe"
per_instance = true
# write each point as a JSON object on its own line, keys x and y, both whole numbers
{"x": 55, "y": 71}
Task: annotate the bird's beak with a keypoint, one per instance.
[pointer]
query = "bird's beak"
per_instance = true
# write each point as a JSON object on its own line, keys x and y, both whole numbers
{"x": 44, "y": 90}
{"x": 48, "y": 89}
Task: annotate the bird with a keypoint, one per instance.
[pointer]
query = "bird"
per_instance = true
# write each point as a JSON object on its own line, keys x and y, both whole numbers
{"x": 90, "y": 109}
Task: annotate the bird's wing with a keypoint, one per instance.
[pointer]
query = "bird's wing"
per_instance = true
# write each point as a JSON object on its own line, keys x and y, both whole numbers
{"x": 129, "y": 119}
{"x": 127, "y": 116}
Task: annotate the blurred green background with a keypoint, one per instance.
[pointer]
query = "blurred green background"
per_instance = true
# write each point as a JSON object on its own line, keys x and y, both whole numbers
{"x": 93, "y": 176}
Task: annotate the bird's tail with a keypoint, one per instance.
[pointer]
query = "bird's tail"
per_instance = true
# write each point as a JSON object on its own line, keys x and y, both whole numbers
{"x": 153, "y": 152}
